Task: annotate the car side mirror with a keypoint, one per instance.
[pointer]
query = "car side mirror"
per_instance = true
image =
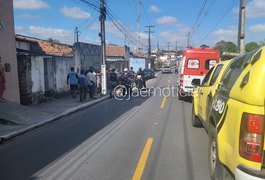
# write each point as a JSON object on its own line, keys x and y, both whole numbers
{"x": 196, "y": 82}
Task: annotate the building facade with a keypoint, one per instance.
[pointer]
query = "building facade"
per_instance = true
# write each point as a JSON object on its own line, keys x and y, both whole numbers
{"x": 42, "y": 68}
{"x": 117, "y": 57}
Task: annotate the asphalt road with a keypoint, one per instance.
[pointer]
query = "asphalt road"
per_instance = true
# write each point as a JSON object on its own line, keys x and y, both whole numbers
{"x": 145, "y": 137}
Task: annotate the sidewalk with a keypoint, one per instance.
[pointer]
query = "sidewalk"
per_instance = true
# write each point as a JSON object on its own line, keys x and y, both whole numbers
{"x": 16, "y": 119}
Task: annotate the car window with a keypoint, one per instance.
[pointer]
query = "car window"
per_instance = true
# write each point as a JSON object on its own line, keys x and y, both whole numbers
{"x": 233, "y": 71}
{"x": 209, "y": 63}
{"x": 207, "y": 77}
{"x": 193, "y": 64}
{"x": 216, "y": 73}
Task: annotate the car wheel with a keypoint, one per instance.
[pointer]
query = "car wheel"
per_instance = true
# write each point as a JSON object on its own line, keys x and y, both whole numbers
{"x": 195, "y": 121}
{"x": 180, "y": 95}
{"x": 216, "y": 168}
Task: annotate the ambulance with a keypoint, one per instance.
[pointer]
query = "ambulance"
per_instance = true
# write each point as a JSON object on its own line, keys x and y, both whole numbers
{"x": 195, "y": 64}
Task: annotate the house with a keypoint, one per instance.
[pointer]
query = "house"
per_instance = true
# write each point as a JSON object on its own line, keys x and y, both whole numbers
{"x": 167, "y": 55}
{"x": 117, "y": 57}
{"x": 8, "y": 51}
{"x": 42, "y": 68}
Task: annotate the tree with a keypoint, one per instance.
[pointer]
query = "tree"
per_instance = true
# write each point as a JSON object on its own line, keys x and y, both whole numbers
{"x": 262, "y": 43}
{"x": 52, "y": 40}
{"x": 224, "y": 46}
{"x": 251, "y": 46}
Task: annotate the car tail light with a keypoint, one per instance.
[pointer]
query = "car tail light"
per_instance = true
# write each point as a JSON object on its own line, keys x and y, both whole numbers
{"x": 181, "y": 79}
{"x": 251, "y": 137}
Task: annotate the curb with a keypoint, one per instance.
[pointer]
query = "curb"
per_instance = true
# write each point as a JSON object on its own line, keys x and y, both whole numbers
{"x": 67, "y": 112}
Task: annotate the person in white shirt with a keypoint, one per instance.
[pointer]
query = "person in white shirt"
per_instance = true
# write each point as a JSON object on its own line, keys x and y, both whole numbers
{"x": 91, "y": 82}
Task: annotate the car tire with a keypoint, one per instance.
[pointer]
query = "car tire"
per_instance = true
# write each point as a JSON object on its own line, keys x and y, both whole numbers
{"x": 180, "y": 96}
{"x": 217, "y": 170}
{"x": 195, "y": 121}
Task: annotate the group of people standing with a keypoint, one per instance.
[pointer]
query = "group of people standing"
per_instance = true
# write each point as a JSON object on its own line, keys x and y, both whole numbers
{"x": 85, "y": 81}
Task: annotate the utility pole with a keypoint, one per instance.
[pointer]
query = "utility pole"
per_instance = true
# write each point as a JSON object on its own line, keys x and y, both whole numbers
{"x": 241, "y": 26}
{"x": 158, "y": 51}
{"x": 149, "y": 44}
{"x": 139, "y": 26}
{"x": 76, "y": 35}
{"x": 188, "y": 43}
{"x": 102, "y": 19}
{"x": 176, "y": 48}
{"x": 168, "y": 44}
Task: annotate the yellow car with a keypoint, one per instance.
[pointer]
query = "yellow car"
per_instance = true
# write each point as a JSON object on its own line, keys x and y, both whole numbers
{"x": 204, "y": 92}
{"x": 235, "y": 121}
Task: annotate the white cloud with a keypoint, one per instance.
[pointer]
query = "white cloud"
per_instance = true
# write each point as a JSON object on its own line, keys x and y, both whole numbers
{"x": 19, "y": 28}
{"x": 28, "y": 16}
{"x": 166, "y": 21}
{"x": 30, "y": 4}
{"x": 154, "y": 9}
{"x": 74, "y": 12}
{"x": 255, "y": 8}
{"x": 172, "y": 36}
{"x": 109, "y": 28}
{"x": 259, "y": 28}
{"x": 229, "y": 34}
{"x": 60, "y": 34}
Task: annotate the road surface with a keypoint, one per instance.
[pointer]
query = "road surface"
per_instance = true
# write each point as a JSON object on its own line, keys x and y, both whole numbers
{"x": 149, "y": 138}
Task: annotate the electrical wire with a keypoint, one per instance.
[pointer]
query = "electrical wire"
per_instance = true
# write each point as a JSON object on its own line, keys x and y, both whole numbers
{"x": 232, "y": 5}
{"x": 115, "y": 20}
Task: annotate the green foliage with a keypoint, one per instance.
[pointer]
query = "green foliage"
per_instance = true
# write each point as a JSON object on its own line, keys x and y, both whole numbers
{"x": 224, "y": 46}
{"x": 159, "y": 65}
{"x": 262, "y": 43}
{"x": 251, "y": 46}
{"x": 52, "y": 40}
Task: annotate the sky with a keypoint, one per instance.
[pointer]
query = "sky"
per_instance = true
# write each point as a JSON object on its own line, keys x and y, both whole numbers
{"x": 173, "y": 21}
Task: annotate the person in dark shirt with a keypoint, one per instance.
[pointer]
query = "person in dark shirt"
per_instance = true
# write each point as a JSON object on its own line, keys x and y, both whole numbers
{"x": 82, "y": 82}
{"x": 113, "y": 81}
{"x": 72, "y": 79}
{"x": 140, "y": 72}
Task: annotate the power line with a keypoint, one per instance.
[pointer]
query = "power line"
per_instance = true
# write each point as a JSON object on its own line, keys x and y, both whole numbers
{"x": 199, "y": 15}
{"x": 119, "y": 24}
{"x": 232, "y": 5}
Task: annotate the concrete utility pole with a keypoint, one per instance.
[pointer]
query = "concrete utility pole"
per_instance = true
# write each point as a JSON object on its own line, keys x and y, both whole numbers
{"x": 149, "y": 44}
{"x": 76, "y": 35}
{"x": 176, "y": 47}
{"x": 102, "y": 19}
{"x": 241, "y": 26}
{"x": 168, "y": 44}
{"x": 139, "y": 26}
{"x": 188, "y": 43}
